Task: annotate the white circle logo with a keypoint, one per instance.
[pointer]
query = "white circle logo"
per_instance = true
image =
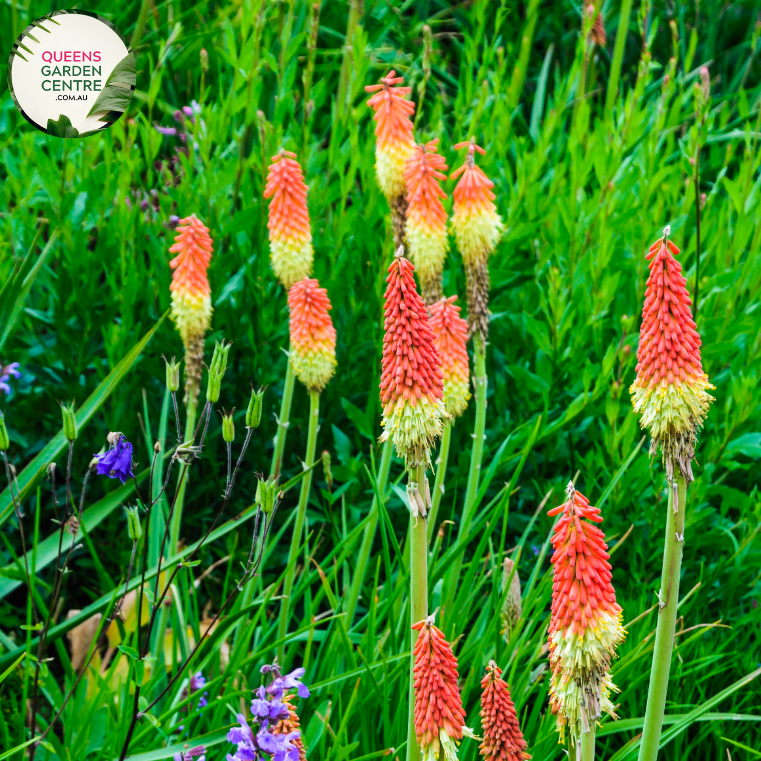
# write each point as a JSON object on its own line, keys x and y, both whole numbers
{"x": 71, "y": 73}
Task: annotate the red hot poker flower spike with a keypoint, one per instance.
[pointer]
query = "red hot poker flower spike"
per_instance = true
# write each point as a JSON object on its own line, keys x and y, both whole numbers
{"x": 670, "y": 390}
{"x": 412, "y": 387}
{"x": 503, "y": 739}
{"x": 439, "y": 714}
{"x": 451, "y": 333}
{"x": 585, "y": 627}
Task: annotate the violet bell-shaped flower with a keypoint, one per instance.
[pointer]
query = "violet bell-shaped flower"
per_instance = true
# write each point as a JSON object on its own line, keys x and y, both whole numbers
{"x": 117, "y": 461}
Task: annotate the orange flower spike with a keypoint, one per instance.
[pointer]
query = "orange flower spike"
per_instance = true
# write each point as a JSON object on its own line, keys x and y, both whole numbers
{"x": 313, "y": 337}
{"x": 670, "y": 391}
{"x": 477, "y": 228}
{"x": 412, "y": 383}
{"x": 393, "y": 133}
{"x": 290, "y": 234}
{"x": 451, "y": 335}
{"x": 191, "y": 295}
{"x": 585, "y": 625}
{"x": 439, "y": 715}
{"x": 503, "y": 739}
{"x": 426, "y": 218}
{"x": 291, "y": 724}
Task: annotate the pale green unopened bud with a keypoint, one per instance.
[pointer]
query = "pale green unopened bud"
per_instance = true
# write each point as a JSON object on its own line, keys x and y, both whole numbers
{"x": 266, "y": 494}
{"x": 217, "y": 371}
{"x": 204, "y": 60}
{"x": 327, "y": 470}
{"x": 254, "y": 411}
{"x": 134, "y": 527}
{"x": 228, "y": 428}
{"x": 172, "y": 374}
{"x": 511, "y": 608}
{"x": 69, "y": 422}
{"x": 4, "y": 440}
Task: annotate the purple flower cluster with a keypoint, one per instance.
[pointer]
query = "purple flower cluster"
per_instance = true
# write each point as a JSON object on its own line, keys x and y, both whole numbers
{"x": 197, "y": 683}
{"x": 117, "y": 461}
{"x": 5, "y": 372}
{"x": 268, "y": 708}
{"x": 180, "y": 115}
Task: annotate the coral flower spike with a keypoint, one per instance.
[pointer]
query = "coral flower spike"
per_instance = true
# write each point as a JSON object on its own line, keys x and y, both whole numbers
{"x": 585, "y": 627}
{"x": 393, "y": 143}
{"x": 439, "y": 715}
{"x": 670, "y": 390}
{"x": 451, "y": 335}
{"x": 477, "y": 228}
{"x": 290, "y": 235}
{"x": 503, "y": 739}
{"x": 313, "y": 337}
{"x": 412, "y": 387}
{"x": 426, "y": 218}
{"x": 191, "y": 295}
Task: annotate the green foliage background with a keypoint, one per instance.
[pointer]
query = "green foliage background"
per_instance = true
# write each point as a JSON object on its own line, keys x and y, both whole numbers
{"x": 585, "y": 181}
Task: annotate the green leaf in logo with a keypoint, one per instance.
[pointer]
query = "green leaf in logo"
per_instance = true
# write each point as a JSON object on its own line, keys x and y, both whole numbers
{"x": 117, "y": 92}
{"x": 62, "y": 128}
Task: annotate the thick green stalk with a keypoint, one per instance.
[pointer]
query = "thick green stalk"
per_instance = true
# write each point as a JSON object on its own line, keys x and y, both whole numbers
{"x": 586, "y": 747}
{"x": 174, "y": 529}
{"x": 282, "y": 423}
{"x": 368, "y": 537}
{"x": 618, "y": 54}
{"x": 479, "y": 433}
{"x": 418, "y": 602}
{"x": 301, "y": 510}
{"x": 441, "y": 472}
{"x": 664, "y": 635}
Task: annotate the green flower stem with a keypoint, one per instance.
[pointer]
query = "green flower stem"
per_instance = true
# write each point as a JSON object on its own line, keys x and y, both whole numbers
{"x": 369, "y": 536}
{"x": 306, "y": 483}
{"x": 282, "y": 423}
{"x": 418, "y": 603}
{"x": 586, "y": 747}
{"x": 190, "y": 425}
{"x": 441, "y": 472}
{"x": 664, "y": 635}
{"x": 477, "y": 453}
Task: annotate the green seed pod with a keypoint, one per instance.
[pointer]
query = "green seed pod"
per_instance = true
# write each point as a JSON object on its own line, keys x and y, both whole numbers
{"x": 4, "y": 440}
{"x": 134, "y": 527}
{"x": 266, "y": 494}
{"x": 228, "y": 428}
{"x": 327, "y": 469}
{"x": 254, "y": 411}
{"x": 172, "y": 374}
{"x": 217, "y": 371}
{"x": 69, "y": 422}
{"x": 204, "y": 56}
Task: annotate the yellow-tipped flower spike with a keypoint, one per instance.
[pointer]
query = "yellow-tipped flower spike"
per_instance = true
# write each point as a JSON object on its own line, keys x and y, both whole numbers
{"x": 670, "y": 390}
{"x": 451, "y": 335}
{"x": 191, "y": 295}
{"x": 313, "y": 337}
{"x": 393, "y": 144}
{"x": 290, "y": 235}
{"x": 426, "y": 218}
{"x": 477, "y": 229}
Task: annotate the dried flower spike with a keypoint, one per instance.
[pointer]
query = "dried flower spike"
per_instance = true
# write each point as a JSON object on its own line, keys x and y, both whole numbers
{"x": 313, "y": 337}
{"x": 450, "y": 337}
{"x": 290, "y": 235}
{"x": 670, "y": 390}
{"x": 503, "y": 739}
{"x": 393, "y": 144}
{"x": 191, "y": 296}
{"x": 511, "y": 607}
{"x": 439, "y": 715}
{"x": 426, "y": 218}
{"x": 412, "y": 388}
{"x": 585, "y": 627}
{"x": 597, "y": 33}
{"x": 477, "y": 228}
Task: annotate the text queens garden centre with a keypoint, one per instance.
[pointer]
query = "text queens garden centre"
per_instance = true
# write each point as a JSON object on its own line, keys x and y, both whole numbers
{"x": 71, "y": 71}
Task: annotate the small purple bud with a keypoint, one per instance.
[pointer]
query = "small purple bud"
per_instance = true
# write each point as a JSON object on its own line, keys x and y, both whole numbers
{"x": 174, "y": 220}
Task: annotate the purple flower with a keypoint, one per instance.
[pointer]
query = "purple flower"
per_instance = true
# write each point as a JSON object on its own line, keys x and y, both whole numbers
{"x": 198, "y": 682}
{"x": 268, "y": 709}
{"x": 187, "y": 110}
{"x": 166, "y": 130}
{"x": 5, "y": 372}
{"x": 198, "y": 752}
{"x": 116, "y": 462}
{"x": 244, "y": 739}
{"x": 289, "y": 682}
{"x": 280, "y": 747}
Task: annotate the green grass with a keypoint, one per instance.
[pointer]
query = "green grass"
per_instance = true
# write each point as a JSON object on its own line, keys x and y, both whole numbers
{"x": 583, "y": 190}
